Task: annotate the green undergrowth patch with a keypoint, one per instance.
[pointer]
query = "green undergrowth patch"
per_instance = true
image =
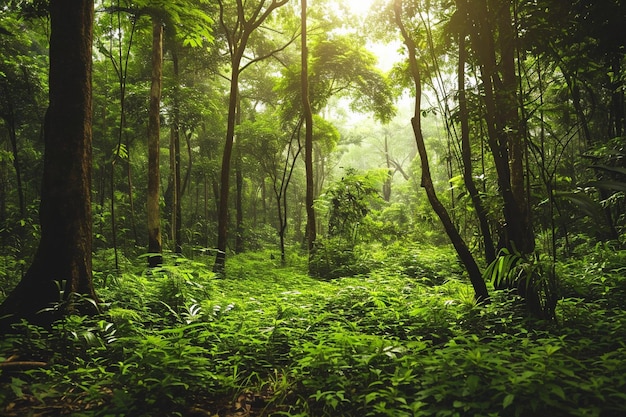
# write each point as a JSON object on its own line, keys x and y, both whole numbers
{"x": 180, "y": 340}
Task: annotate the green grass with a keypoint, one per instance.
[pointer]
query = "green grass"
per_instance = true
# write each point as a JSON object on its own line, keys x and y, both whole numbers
{"x": 405, "y": 340}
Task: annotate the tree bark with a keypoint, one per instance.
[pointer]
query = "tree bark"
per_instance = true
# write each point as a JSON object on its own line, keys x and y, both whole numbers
{"x": 237, "y": 42}
{"x": 502, "y": 119}
{"x": 175, "y": 149}
{"x": 222, "y": 214}
{"x": 61, "y": 268}
{"x": 239, "y": 245}
{"x": 154, "y": 126}
{"x": 311, "y": 230}
{"x": 480, "y": 288}
{"x": 466, "y": 150}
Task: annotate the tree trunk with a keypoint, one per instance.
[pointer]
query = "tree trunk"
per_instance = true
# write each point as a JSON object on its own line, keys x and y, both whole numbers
{"x": 154, "y": 127}
{"x": 222, "y": 215}
{"x": 239, "y": 246}
{"x": 480, "y": 288}
{"x": 10, "y": 122}
{"x": 237, "y": 42}
{"x": 311, "y": 230}
{"x": 175, "y": 149}
{"x": 466, "y": 149}
{"x": 389, "y": 178}
{"x": 62, "y": 265}
{"x": 502, "y": 119}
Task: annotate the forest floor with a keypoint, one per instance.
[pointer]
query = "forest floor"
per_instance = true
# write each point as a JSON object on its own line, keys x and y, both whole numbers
{"x": 404, "y": 339}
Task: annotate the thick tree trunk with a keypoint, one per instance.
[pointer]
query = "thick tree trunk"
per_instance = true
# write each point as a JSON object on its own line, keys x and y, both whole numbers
{"x": 480, "y": 288}
{"x": 62, "y": 265}
{"x": 154, "y": 129}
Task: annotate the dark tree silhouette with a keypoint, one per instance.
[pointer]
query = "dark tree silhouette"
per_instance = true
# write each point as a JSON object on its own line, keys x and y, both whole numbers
{"x": 61, "y": 267}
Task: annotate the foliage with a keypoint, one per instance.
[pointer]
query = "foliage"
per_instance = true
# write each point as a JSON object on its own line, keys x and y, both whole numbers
{"x": 335, "y": 257}
{"x": 347, "y": 203}
{"x": 377, "y": 344}
{"x": 392, "y": 327}
{"x": 531, "y": 277}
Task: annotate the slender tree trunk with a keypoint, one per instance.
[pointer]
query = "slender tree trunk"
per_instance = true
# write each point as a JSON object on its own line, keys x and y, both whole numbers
{"x": 281, "y": 187}
{"x": 222, "y": 215}
{"x": 237, "y": 38}
{"x": 113, "y": 215}
{"x": 389, "y": 178}
{"x": 480, "y": 288}
{"x": 177, "y": 205}
{"x": 189, "y": 164}
{"x": 131, "y": 199}
{"x": 264, "y": 201}
{"x": 503, "y": 125}
{"x": 62, "y": 265}
{"x": 282, "y": 223}
{"x": 311, "y": 230}
{"x": 154, "y": 127}
{"x": 10, "y": 121}
{"x": 466, "y": 150}
{"x": 20, "y": 230}
{"x": 509, "y": 104}
{"x": 239, "y": 246}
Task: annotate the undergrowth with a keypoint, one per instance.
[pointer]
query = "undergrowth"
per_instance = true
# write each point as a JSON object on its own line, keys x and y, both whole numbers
{"x": 407, "y": 339}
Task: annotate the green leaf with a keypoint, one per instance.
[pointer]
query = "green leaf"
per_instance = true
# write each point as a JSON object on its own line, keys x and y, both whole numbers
{"x": 608, "y": 185}
{"x": 555, "y": 389}
{"x": 508, "y": 400}
{"x": 617, "y": 170}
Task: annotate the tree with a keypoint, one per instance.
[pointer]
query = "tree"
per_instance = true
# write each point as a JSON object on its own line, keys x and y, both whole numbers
{"x": 339, "y": 66}
{"x": 61, "y": 269}
{"x": 308, "y": 135}
{"x": 480, "y": 288}
{"x": 193, "y": 33}
{"x": 118, "y": 55}
{"x": 238, "y": 33}
{"x": 466, "y": 150}
{"x": 154, "y": 131}
{"x": 491, "y": 30}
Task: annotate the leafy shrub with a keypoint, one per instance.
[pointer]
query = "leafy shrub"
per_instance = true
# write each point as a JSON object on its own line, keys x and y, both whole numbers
{"x": 335, "y": 258}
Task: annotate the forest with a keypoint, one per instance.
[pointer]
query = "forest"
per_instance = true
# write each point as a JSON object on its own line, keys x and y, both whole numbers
{"x": 312, "y": 208}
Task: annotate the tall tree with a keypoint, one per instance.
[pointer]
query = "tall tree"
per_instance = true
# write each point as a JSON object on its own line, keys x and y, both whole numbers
{"x": 154, "y": 130}
{"x": 248, "y": 18}
{"x": 61, "y": 268}
{"x": 117, "y": 48}
{"x": 490, "y": 25}
{"x": 308, "y": 136}
{"x": 466, "y": 150}
{"x": 480, "y": 289}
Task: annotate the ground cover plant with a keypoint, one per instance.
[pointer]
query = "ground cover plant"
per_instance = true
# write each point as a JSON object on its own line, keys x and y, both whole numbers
{"x": 269, "y": 340}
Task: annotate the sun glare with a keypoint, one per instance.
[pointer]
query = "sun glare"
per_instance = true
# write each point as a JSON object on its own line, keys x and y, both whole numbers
{"x": 359, "y": 7}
